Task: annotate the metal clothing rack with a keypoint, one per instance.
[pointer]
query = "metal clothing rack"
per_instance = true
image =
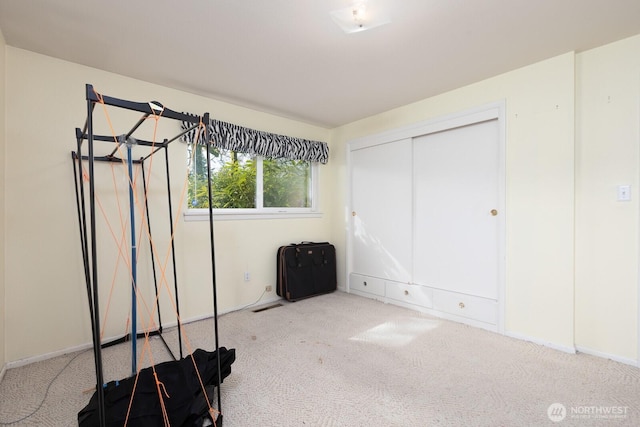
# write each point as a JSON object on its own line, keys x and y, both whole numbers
{"x": 87, "y": 221}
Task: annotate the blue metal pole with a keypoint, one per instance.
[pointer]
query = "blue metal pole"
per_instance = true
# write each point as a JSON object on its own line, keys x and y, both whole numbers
{"x": 134, "y": 320}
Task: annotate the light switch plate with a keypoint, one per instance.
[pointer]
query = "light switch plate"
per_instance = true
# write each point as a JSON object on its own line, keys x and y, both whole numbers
{"x": 624, "y": 193}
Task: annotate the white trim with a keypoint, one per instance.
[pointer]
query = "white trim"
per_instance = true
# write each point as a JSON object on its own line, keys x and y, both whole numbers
{"x": 638, "y": 285}
{"x": 2, "y": 372}
{"x": 492, "y": 111}
{"x": 430, "y": 311}
{"x": 89, "y": 345}
{"x": 603, "y": 355}
{"x": 41, "y": 357}
{"x": 245, "y": 214}
{"x": 259, "y": 181}
{"x": 258, "y": 303}
{"x": 502, "y": 208}
{"x": 446, "y": 316}
{"x": 348, "y": 220}
{"x": 563, "y": 348}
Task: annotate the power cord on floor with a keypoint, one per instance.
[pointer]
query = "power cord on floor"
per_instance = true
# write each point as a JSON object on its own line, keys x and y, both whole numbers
{"x": 246, "y": 306}
{"x": 46, "y": 393}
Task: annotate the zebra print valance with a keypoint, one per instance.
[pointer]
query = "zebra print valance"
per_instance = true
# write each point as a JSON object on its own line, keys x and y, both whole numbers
{"x": 245, "y": 140}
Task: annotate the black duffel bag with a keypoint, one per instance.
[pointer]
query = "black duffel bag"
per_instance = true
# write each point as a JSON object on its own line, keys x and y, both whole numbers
{"x": 181, "y": 390}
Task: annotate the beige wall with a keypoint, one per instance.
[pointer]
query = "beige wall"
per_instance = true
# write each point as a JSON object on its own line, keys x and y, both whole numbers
{"x": 2, "y": 204}
{"x": 607, "y": 155}
{"x": 572, "y": 250}
{"x": 539, "y": 181}
{"x": 44, "y": 281}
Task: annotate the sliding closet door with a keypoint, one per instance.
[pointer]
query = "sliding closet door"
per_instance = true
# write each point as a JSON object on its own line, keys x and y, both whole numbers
{"x": 381, "y": 211}
{"x": 456, "y": 222}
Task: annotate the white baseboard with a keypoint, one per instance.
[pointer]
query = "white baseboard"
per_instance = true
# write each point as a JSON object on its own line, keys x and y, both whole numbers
{"x": 33, "y": 359}
{"x": 559, "y": 347}
{"x": 613, "y": 357}
{"x": 86, "y": 346}
{"x": 575, "y": 349}
{"x": 257, "y": 304}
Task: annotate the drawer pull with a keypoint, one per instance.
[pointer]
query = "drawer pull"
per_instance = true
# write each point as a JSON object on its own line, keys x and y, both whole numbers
{"x": 406, "y": 292}
{"x": 461, "y": 305}
{"x": 364, "y": 283}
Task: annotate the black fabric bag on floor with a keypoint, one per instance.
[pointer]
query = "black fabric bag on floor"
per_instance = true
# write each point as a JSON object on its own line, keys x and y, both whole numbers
{"x": 181, "y": 391}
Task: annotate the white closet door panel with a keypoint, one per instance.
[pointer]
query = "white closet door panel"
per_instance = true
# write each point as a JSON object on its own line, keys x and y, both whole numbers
{"x": 381, "y": 204}
{"x": 456, "y": 189}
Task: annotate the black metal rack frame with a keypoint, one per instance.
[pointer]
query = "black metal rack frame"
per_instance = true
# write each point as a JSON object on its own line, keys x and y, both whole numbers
{"x": 87, "y": 226}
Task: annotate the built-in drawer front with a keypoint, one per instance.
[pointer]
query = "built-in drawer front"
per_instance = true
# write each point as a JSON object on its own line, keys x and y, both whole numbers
{"x": 410, "y": 294}
{"x": 477, "y": 308}
{"x": 367, "y": 284}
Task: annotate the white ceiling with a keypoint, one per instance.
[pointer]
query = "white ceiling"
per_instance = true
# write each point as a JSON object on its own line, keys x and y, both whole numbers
{"x": 288, "y": 57}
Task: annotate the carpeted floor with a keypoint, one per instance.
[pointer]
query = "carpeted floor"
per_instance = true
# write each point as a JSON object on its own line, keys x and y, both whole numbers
{"x": 343, "y": 360}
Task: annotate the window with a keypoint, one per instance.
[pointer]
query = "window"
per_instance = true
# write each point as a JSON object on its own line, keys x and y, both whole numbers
{"x": 249, "y": 185}
{"x": 254, "y": 174}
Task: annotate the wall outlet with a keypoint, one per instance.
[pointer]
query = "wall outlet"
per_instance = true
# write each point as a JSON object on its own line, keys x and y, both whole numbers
{"x": 247, "y": 276}
{"x": 268, "y": 288}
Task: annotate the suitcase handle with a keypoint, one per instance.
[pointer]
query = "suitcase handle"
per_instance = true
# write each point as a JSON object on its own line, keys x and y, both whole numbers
{"x": 307, "y": 242}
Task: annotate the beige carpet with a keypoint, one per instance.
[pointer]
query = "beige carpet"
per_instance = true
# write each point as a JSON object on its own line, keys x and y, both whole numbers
{"x": 343, "y": 360}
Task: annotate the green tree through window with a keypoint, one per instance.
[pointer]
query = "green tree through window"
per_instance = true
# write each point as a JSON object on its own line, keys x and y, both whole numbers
{"x": 286, "y": 183}
{"x": 237, "y": 179}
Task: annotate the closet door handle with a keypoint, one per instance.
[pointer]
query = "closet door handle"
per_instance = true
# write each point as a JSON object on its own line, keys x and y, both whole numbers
{"x": 494, "y": 212}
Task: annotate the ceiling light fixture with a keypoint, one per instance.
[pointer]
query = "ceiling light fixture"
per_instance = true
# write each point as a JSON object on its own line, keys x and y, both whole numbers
{"x": 359, "y": 13}
{"x": 358, "y": 18}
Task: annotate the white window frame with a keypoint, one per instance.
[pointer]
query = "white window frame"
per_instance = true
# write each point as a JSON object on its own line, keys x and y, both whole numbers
{"x": 202, "y": 214}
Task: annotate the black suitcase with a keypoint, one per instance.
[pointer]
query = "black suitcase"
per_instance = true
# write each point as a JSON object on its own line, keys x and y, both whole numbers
{"x": 305, "y": 270}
